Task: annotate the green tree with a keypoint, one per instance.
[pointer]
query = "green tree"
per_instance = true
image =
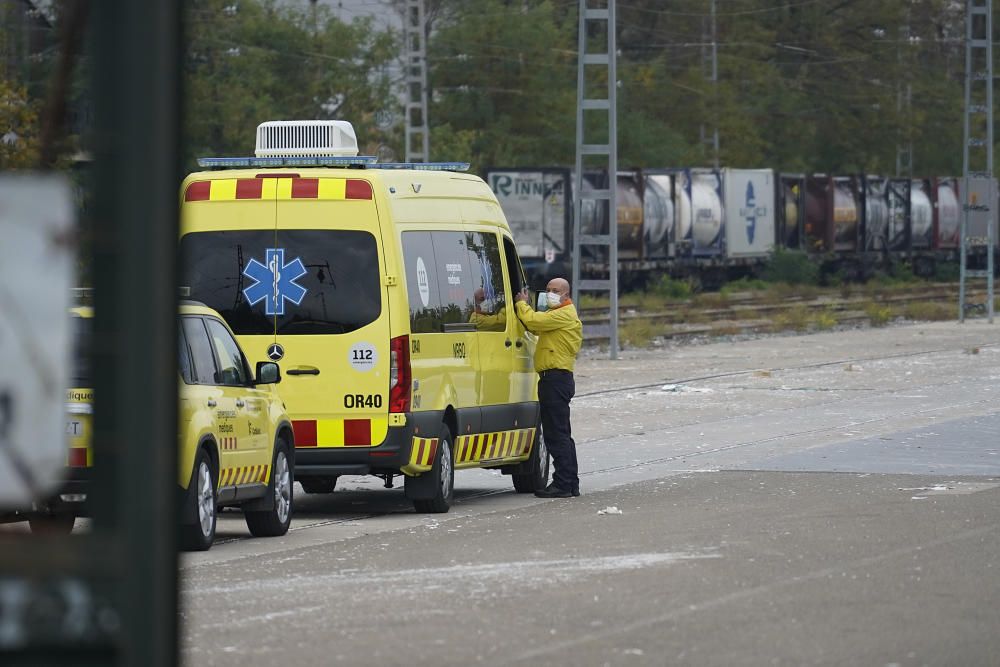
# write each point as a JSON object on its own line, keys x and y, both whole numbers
{"x": 259, "y": 60}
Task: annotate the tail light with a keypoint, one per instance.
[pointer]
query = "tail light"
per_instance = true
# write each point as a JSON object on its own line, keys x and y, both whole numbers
{"x": 399, "y": 374}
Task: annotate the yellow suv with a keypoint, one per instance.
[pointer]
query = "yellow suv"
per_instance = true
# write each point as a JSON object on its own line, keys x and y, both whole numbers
{"x": 235, "y": 441}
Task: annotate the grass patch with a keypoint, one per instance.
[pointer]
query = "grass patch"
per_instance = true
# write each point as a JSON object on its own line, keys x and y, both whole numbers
{"x": 591, "y": 301}
{"x": 712, "y": 300}
{"x": 878, "y": 314}
{"x": 744, "y": 285}
{"x": 825, "y": 319}
{"x": 797, "y": 319}
{"x": 929, "y": 311}
{"x": 636, "y": 332}
{"x": 670, "y": 289}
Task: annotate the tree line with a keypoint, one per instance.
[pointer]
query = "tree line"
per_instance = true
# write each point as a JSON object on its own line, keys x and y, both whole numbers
{"x": 802, "y": 85}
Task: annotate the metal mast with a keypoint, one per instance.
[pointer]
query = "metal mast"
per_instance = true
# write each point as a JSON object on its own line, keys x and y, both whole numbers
{"x": 603, "y": 126}
{"x": 979, "y": 193}
{"x": 414, "y": 45}
{"x": 710, "y": 68}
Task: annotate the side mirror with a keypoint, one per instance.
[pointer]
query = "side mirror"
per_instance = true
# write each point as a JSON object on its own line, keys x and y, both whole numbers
{"x": 268, "y": 372}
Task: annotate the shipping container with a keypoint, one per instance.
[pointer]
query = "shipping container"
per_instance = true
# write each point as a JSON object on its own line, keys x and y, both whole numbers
{"x": 833, "y": 214}
{"x": 886, "y": 213}
{"x": 947, "y": 213}
{"x": 922, "y": 195}
{"x": 748, "y": 212}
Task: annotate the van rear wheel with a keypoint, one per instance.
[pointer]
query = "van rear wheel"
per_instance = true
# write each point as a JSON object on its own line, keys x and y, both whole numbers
{"x": 537, "y": 476}
{"x": 442, "y": 476}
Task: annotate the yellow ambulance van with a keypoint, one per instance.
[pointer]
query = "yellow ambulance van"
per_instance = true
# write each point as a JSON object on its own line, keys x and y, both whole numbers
{"x": 386, "y": 291}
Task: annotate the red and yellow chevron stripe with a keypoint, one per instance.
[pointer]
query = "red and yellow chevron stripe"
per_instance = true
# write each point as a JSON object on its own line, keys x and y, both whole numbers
{"x": 474, "y": 450}
{"x": 277, "y": 186}
{"x": 244, "y": 475}
{"x": 422, "y": 453}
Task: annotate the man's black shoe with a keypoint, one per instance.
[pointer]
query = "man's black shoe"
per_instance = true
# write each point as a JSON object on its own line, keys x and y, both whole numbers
{"x": 553, "y": 491}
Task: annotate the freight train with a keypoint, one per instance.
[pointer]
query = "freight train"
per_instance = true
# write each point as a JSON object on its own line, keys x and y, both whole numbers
{"x": 713, "y": 225}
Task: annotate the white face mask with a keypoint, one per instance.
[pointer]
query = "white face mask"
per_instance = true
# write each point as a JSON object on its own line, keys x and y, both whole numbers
{"x": 553, "y": 300}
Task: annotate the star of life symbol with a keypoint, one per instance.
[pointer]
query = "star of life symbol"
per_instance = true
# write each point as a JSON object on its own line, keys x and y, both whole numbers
{"x": 275, "y": 281}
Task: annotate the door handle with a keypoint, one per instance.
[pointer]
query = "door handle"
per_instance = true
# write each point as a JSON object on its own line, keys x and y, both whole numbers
{"x": 212, "y": 403}
{"x": 507, "y": 343}
{"x": 302, "y": 371}
{"x": 240, "y": 403}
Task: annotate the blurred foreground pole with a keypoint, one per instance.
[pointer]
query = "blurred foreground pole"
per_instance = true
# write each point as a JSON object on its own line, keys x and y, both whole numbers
{"x": 136, "y": 65}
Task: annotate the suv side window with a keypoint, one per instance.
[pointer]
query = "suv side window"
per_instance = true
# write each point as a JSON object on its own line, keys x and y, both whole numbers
{"x": 184, "y": 357}
{"x": 200, "y": 348}
{"x": 232, "y": 368}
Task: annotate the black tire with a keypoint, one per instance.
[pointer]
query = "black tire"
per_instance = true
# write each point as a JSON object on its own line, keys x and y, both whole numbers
{"x": 198, "y": 527}
{"x": 275, "y": 521}
{"x": 537, "y": 477}
{"x": 318, "y": 484}
{"x": 55, "y": 523}
{"x": 443, "y": 474}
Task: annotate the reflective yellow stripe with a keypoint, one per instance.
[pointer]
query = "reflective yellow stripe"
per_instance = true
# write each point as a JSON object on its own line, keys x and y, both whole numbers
{"x": 332, "y": 188}
{"x": 223, "y": 189}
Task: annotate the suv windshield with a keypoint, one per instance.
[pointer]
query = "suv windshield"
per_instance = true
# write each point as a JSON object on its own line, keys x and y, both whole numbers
{"x": 291, "y": 282}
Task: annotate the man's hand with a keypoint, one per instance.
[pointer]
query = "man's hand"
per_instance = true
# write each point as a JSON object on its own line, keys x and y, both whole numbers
{"x": 522, "y": 295}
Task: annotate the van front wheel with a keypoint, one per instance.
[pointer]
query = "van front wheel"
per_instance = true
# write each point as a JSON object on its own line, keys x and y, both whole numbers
{"x": 442, "y": 475}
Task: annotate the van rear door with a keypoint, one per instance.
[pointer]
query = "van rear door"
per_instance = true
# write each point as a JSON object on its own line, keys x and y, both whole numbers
{"x": 309, "y": 293}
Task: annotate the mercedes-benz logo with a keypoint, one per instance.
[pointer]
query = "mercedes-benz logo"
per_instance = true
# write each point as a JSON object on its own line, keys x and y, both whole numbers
{"x": 275, "y": 352}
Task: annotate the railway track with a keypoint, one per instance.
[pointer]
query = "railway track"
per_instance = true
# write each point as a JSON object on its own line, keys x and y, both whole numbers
{"x": 756, "y": 312}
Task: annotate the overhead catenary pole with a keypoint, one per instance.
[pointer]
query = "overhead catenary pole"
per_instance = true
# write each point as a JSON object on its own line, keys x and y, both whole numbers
{"x": 979, "y": 191}
{"x": 602, "y": 67}
{"x": 417, "y": 147}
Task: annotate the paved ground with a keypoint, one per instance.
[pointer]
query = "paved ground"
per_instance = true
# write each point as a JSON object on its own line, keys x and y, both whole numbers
{"x": 822, "y": 499}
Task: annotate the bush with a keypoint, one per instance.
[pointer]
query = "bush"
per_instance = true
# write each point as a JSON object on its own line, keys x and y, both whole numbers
{"x": 930, "y": 311}
{"x": 789, "y": 266}
{"x": 672, "y": 289}
{"x": 878, "y": 314}
{"x": 636, "y": 332}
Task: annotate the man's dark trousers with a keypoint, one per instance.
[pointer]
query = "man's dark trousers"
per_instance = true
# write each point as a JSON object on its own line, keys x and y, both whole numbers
{"x": 555, "y": 389}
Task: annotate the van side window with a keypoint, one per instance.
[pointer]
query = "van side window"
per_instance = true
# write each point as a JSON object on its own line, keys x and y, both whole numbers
{"x": 490, "y": 296}
{"x": 514, "y": 270}
{"x": 421, "y": 282}
{"x": 454, "y": 272}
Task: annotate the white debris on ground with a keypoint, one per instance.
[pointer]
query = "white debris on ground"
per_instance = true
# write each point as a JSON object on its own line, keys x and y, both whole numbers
{"x": 684, "y": 389}
{"x": 610, "y": 510}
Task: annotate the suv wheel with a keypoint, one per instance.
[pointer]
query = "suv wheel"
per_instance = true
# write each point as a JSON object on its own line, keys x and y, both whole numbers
{"x": 275, "y": 521}
{"x": 198, "y": 528}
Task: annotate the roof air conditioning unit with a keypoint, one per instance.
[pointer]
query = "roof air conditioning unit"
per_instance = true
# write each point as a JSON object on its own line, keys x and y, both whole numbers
{"x": 306, "y": 138}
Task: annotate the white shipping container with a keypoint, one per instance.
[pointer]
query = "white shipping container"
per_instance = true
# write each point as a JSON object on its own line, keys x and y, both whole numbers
{"x": 749, "y": 211}
{"x": 534, "y": 203}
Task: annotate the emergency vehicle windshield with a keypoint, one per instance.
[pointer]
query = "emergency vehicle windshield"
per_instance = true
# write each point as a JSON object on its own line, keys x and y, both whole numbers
{"x": 292, "y": 282}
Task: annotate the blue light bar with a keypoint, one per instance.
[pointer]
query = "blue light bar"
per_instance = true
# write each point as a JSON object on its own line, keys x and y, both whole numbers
{"x": 296, "y": 161}
{"x": 422, "y": 166}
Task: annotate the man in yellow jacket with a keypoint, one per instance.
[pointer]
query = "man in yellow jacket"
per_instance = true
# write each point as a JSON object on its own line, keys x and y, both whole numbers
{"x": 560, "y": 335}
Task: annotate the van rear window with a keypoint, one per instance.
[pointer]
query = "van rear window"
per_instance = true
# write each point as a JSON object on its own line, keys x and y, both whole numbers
{"x": 291, "y": 281}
